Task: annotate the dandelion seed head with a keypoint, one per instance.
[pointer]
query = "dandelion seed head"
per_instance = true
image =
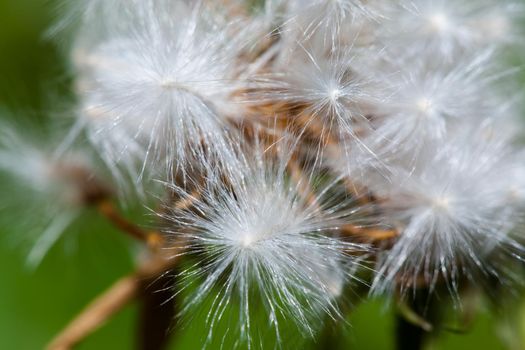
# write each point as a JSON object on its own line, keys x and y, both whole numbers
{"x": 270, "y": 239}
{"x": 426, "y": 101}
{"x": 449, "y": 219}
{"x": 331, "y": 92}
{"x": 155, "y": 93}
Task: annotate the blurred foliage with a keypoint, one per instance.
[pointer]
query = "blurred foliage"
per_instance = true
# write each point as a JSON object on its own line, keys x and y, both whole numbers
{"x": 35, "y": 305}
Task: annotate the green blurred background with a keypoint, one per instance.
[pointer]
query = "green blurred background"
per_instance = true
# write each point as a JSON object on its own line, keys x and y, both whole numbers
{"x": 36, "y": 304}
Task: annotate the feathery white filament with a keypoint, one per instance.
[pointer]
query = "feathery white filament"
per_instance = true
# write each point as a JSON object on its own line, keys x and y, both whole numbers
{"x": 330, "y": 90}
{"x": 158, "y": 92}
{"x": 262, "y": 236}
{"x": 452, "y": 209}
{"x": 427, "y": 100}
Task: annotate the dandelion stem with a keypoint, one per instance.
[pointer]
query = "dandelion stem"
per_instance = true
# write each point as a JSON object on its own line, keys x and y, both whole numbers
{"x": 409, "y": 336}
{"x": 370, "y": 233}
{"x": 412, "y": 328}
{"x": 108, "y": 210}
{"x": 157, "y": 317}
{"x": 114, "y": 299}
{"x": 127, "y": 288}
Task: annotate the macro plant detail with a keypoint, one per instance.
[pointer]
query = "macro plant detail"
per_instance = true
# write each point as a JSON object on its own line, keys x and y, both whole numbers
{"x": 294, "y": 158}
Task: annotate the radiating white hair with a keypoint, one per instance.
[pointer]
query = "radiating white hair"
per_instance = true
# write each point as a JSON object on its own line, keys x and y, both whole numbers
{"x": 259, "y": 235}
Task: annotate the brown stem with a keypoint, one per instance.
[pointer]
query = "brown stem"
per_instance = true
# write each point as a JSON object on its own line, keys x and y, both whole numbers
{"x": 373, "y": 234}
{"x": 101, "y": 309}
{"x": 413, "y": 330}
{"x": 320, "y": 132}
{"x": 126, "y": 289}
{"x": 107, "y": 209}
{"x": 157, "y": 317}
{"x": 185, "y": 203}
{"x": 113, "y": 300}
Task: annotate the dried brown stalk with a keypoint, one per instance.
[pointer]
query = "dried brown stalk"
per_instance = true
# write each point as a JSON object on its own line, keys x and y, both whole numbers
{"x": 372, "y": 234}
{"x": 126, "y": 289}
{"x": 152, "y": 238}
{"x": 114, "y": 299}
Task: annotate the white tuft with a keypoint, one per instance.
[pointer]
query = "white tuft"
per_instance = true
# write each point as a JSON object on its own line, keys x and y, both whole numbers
{"x": 159, "y": 92}
{"x": 259, "y": 235}
{"x": 452, "y": 208}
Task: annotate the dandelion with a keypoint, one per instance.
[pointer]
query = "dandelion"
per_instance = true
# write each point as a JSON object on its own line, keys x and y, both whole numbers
{"x": 259, "y": 232}
{"x": 406, "y": 152}
{"x": 427, "y": 100}
{"x": 330, "y": 93}
{"x": 452, "y": 208}
{"x": 160, "y": 91}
